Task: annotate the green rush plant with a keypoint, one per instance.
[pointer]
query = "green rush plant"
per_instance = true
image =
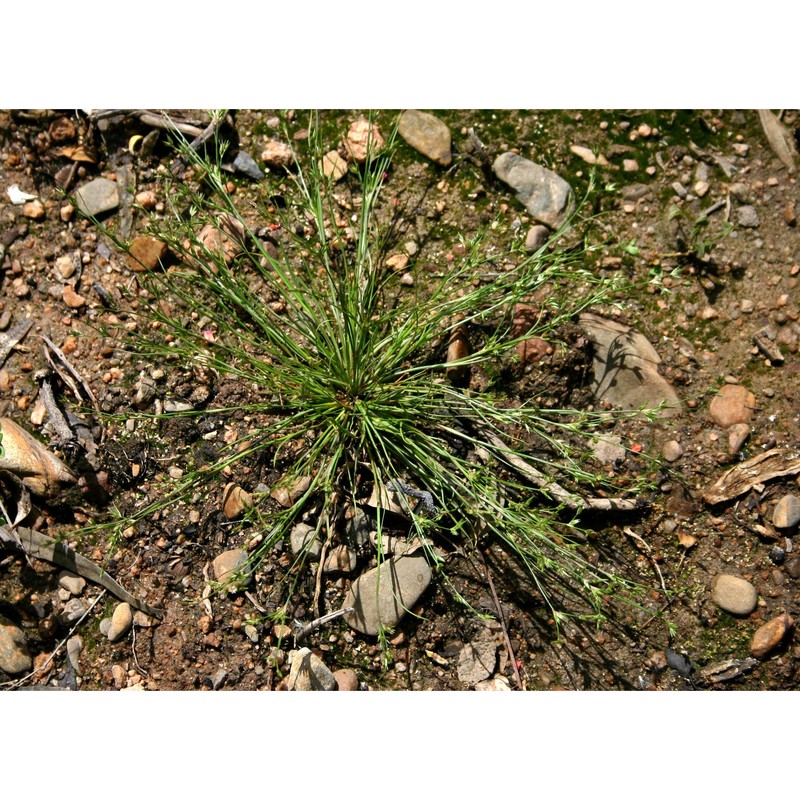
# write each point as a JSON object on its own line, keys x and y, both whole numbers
{"x": 349, "y": 370}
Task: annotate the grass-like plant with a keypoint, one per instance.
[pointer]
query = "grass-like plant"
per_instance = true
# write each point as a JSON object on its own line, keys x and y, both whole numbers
{"x": 349, "y": 371}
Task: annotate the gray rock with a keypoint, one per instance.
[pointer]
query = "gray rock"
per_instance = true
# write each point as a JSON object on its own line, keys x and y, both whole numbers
{"x": 121, "y": 622}
{"x": 104, "y": 626}
{"x": 245, "y": 164}
{"x": 305, "y": 537}
{"x": 747, "y": 217}
{"x": 231, "y": 569}
{"x": 308, "y": 673}
{"x": 383, "y": 595}
{"x": 14, "y": 654}
{"x": 358, "y": 528}
{"x": 608, "y": 449}
{"x": 787, "y": 512}
{"x": 626, "y": 367}
{"x": 734, "y": 594}
{"x": 73, "y": 610}
{"x": 97, "y": 197}
{"x": 220, "y": 676}
{"x": 426, "y": 134}
{"x": 74, "y": 650}
{"x": 74, "y": 584}
{"x": 537, "y": 237}
{"x": 477, "y": 659}
{"x": 546, "y": 196}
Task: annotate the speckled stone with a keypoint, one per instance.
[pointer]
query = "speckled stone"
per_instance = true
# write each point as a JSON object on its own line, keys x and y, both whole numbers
{"x": 426, "y": 134}
{"x": 787, "y": 512}
{"x": 734, "y": 594}
{"x": 97, "y": 196}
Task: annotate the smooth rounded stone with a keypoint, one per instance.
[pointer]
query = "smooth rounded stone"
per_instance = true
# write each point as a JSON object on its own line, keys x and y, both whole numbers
{"x": 73, "y": 610}
{"x": 145, "y": 253}
{"x": 235, "y": 500}
{"x": 341, "y": 559}
{"x": 74, "y": 650}
{"x": 74, "y": 584}
{"x": 625, "y": 367}
{"x": 537, "y": 237}
{"x": 426, "y": 134}
{"x": 14, "y": 654}
{"x": 770, "y": 635}
{"x": 734, "y": 594}
{"x": 546, "y": 196}
{"x": 787, "y": 512}
{"x": 97, "y": 197}
{"x": 121, "y": 622}
{"x": 251, "y": 632}
{"x": 104, "y": 626}
{"x": 383, "y": 595}
{"x": 737, "y": 436}
{"x": 733, "y": 405}
{"x": 305, "y": 536}
{"x": 308, "y": 673}
{"x": 671, "y": 450}
{"x": 346, "y": 680}
{"x": 747, "y": 217}
{"x": 608, "y": 449}
{"x": 232, "y": 565}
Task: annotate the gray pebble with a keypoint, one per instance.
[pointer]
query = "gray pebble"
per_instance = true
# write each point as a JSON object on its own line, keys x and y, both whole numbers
{"x": 220, "y": 676}
{"x": 747, "y": 217}
{"x": 73, "y": 610}
{"x": 609, "y": 450}
{"x": 231, "y": 569}
{"x": 105, "y": 624}
{"x": 787, "y": 512}
{"x": 357, "y": 530}
{"x": 385, "y": 600}
{"x": 97, "y": 197}
{"x": 74, "y": 584}
{"x": 477, "y": 659}
{"x": 537, "y": 237}
{"x": 305, "y": 536}
{"x": 245, "y": 164}
{"x": 734, "y": 594}
{"x": 14, "y": 654}
{"x": 308, "y": 673}
{"x": 546, "y": 196}
{"x": 251, "y": 632}
{"x": 74, "y": 650}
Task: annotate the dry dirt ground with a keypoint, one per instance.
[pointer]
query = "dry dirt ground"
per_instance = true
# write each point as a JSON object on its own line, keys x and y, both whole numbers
{"x": 709, "y": 291}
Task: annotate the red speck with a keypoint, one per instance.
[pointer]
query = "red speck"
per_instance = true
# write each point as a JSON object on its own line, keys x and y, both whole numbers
{"x": 637, "y": 448}
{"x": 273, "y": 226}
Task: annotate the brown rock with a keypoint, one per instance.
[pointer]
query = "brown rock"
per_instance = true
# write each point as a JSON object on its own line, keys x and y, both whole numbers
{"x": 733, "y": 405}
{"x": 33, "y": 210}
{"x": 787, "y": 512}
{"x": 231, "y": 568}
{"x": 346, "y": 680}
{"x": 341, "y": 559}
{"x": 62, "y": 130}
{"x": 333, "y": 166}
{"x": 72, "y": 298}
{"x": 426, "y": 134}
{"x": 533, "y": 350}
{"x": 277, "y": 154}
{"x": 145, "y": 253}
{"x": 363, "y": 138}
{"x": 770, "y": 635}
{"x": 235, "y": 500}
{"x": 14, "y": 654}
